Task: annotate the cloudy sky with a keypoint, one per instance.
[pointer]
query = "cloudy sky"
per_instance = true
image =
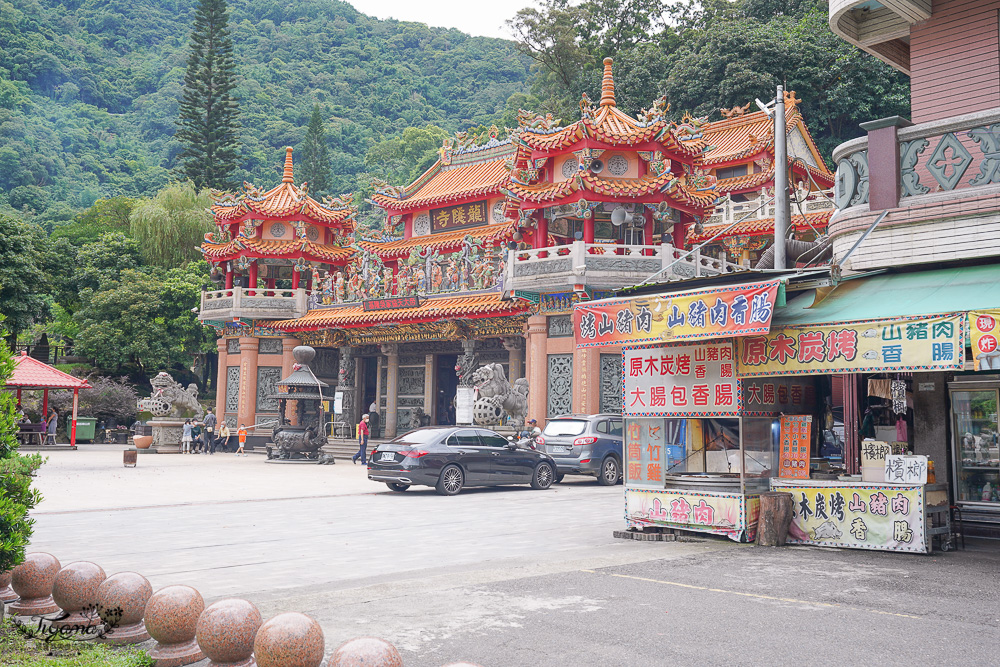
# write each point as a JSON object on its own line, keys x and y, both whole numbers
{"x": 476, "y": 17}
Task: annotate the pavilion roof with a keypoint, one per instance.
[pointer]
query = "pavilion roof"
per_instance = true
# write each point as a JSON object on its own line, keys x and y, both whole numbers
{"x": 284, "y": 201}
{"x": 761, "y": 227}
{"x": 30, "y": 373}
{"x": 255, "y": 247}
{"x": 442, "y": 241}
{"x": 743, "y": 135}
{"x": 461, "y": 173}
{"x": 754, "y": 181}
{"x": 446, "y": 307}
{"x": 607, "y": 124}
{"x": 551, "y": 193}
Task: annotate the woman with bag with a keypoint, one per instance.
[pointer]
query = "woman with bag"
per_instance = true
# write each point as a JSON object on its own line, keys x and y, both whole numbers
{"x": 363, "y": 432}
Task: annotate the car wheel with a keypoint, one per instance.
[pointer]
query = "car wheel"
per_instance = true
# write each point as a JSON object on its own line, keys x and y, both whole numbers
{"x": 559, "y": 477}
{"x": 395, "y": 486}
{"x": 609, "y": 472}
{"x": 451, "y": 481}
{"x": 543, "y": 476}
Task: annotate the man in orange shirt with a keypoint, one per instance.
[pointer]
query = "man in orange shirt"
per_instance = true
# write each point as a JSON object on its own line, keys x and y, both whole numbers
{"x": 242, "y": 435}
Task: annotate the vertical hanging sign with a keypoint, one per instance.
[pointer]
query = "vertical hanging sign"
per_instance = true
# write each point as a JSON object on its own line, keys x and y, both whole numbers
{"x": 796, "y": 437}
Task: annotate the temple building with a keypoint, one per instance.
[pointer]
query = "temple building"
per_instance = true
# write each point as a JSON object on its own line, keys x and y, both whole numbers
{"x": 481, "y": 260}
{"x": 739, "y": 151}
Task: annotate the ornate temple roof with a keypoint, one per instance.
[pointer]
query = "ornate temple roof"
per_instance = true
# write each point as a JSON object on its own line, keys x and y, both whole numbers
{"x": 440, "y": 242}
{"x": 254, "y": 247}
{"x": 744, "y": 135}
{"x": 606, "y": 124}
{"x": 460, "y": 306}
{"x": 284, "y": 201}
{"x": 550, "y": 193}
{"x": 761, "y": 227}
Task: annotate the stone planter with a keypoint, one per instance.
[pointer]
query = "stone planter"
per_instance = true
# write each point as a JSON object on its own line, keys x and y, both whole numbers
{"x": 142, "y": 441}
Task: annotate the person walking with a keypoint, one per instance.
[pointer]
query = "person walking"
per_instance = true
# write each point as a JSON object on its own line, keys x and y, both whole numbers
{"x": 223, "y": 441}
{"x": 241, "y": 435}
{"x": 52, "y": 423}
{"x": 210, "y": 422}
{"x": 186, "y": 437}
{"x": 363, "y": 432}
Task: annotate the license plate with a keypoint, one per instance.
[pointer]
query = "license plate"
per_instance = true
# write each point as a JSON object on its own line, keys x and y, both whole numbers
{"x": 559, "y": 449}
{"x": 387, "y": 456}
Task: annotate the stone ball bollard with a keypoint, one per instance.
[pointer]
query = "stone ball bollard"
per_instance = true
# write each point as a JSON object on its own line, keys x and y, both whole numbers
{"x": 121, "y": 602}
{"x": 366, "y": 652}
{"x": 171, "y": 619}
{"x": 289, "y": 640}
{"x": 226, "y": 632}
{"x": 32, "y": 580}
{"x": 7, "y": 593}
{"x": 75, "y": 591}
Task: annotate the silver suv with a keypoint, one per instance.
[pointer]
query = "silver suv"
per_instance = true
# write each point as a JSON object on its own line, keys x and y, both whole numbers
{"x": 585, "y": 445}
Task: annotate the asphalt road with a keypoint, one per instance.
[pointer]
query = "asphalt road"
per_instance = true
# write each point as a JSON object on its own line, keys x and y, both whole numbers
{"x": 507, "y": 576}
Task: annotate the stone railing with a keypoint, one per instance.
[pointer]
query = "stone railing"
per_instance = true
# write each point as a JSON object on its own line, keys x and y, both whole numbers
{"x": 258, "y": 303}
{"x": 728, "y": 211}
{"x": 940, "y": 182}
{"x": 605, "y": 266}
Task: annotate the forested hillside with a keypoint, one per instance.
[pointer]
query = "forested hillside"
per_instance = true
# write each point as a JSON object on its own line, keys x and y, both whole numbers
{"x": 89, "y": 90}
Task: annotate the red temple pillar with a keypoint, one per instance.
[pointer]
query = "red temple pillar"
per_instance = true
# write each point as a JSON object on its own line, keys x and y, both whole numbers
{"x": 45, "y": 404}
{"x": 296, "y": 276}
{"x": 541, "y": 233}
{"x": 647, "y": 232}
{"x": 588, "y": 230}
{"x": 229, "y": 277}
{"x": 270, "y": 286}
{"x": 252, "y": 280}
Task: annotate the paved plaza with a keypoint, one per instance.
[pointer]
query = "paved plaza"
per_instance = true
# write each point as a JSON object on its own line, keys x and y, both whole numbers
{"x": 505, "y": 577}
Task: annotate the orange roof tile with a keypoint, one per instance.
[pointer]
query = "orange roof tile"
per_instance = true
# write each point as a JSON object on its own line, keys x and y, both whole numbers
{"x": 442, "y": 241}
{"x": 761, "y": 227}
{"x": 30, "y": 373}
{"x": 489, "y": 304}
{"x": 254, "y": 247}
{"x": 448, "y": 184}
{"x": 284, "y": 201}
{"x": 612, "y": 187}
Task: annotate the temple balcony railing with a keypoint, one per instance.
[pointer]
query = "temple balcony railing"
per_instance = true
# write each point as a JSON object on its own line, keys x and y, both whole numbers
{"x": 938, "y": 181}
{"x": 728, "y": 211}
{"x": 605, "y": 266}
{"x": 255, "y": 304}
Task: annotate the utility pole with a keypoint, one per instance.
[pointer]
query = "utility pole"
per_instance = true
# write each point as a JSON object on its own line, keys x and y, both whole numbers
{"x": 781, "y": 208}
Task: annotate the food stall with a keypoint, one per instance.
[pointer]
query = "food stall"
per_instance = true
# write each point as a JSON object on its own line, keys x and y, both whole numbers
{"x": 697, "y": 457}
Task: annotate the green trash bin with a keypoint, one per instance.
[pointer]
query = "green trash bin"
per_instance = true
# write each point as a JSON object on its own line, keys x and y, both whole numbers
{"x": 85, "y": 427}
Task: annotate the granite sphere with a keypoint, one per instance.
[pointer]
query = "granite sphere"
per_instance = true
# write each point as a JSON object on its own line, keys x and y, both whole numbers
{"x": 366, "y": 652}
{"x": 7, "y": 593}
{"x": 172, "y": 614}
{"x": 289, "y": 640}
{"x": 32, "y": 580}
{"x": 75, "y": 588}
{"x": 35, "y": 576}
{"x": 226, "y": 630}
{"x": 122, "y": 598}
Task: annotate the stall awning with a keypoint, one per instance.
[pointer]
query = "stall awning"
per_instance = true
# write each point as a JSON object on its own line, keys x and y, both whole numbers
{"x": 895, "y": 295}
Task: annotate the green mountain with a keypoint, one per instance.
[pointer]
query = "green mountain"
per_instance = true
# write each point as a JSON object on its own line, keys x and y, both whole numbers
{"x": 89, "y": 89}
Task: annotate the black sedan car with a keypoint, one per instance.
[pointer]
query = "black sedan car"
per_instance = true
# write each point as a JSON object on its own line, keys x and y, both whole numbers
{"x": 450, "y": 458}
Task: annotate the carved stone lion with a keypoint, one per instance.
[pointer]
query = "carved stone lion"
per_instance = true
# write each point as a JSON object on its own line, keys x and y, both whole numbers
{"x": 491, "y": 384}
{"x": 173, "y": 400}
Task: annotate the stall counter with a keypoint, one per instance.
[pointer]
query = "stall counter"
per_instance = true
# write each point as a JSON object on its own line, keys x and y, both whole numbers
{"x": 862, "y": 515}
{"x": 720, "y": 513}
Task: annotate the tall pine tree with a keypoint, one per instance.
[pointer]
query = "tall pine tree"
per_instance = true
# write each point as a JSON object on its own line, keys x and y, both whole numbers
{"x": 208, "y": 118}
{"x": 315, "y": 164}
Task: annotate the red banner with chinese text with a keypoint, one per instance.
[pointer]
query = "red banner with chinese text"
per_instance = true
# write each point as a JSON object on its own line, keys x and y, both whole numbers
{"x": 695, "y": 380}
{"x": 741, "y": 310}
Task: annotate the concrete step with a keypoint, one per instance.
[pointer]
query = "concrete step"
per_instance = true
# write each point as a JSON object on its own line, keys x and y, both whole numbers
{"x": 342, "y": 449}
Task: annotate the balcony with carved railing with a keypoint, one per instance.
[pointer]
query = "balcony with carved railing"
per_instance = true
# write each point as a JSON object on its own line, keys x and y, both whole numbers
{"x": 728, "y": 211}
{"x": 255, "y": 304}
{"x": 938, "y": 181}
{"x": 605, "y": 266}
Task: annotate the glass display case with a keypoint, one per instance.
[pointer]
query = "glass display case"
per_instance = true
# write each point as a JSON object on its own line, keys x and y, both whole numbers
{"x": 977, "y": 457}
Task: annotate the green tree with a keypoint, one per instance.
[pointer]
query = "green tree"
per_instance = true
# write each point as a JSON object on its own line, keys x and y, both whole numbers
{"x": 402, "y": 159}
{"x": 23, "y": 280}
{"x": 208, "y": 117}
{"x": 103, "y": 216}
{"x": 172, "y": 225}
{"x": 17, "y": 497}
{"x": 144, "y": 322}
{"x": 315, "y": 162}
